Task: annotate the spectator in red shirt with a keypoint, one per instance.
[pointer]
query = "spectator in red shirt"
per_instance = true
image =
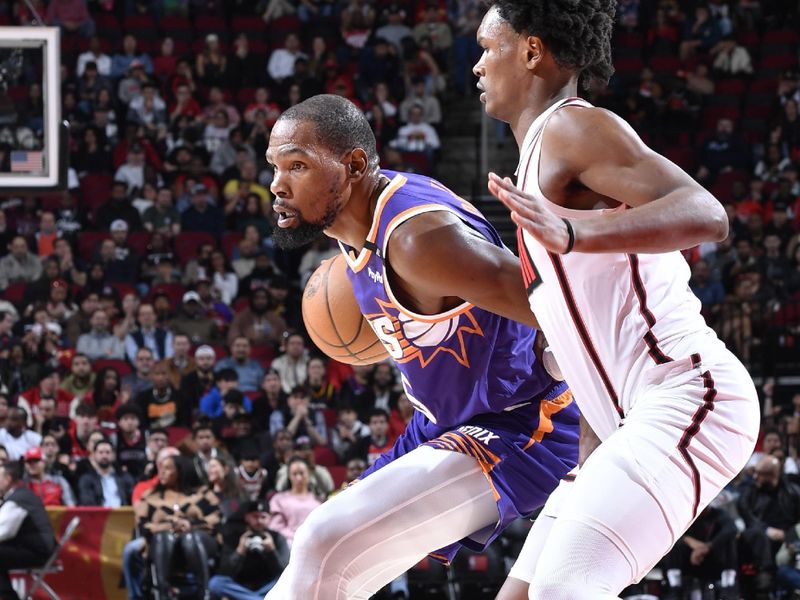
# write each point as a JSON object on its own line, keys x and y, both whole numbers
{"x": 48, "y": 387}
{"x": 52, "y": 489}
{"x": 184, "y": 104}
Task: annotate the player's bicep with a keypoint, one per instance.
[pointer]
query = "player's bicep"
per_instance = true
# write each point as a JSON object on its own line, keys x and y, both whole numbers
{"x": 609, "y": 158}
{"x": 443, "y": 256}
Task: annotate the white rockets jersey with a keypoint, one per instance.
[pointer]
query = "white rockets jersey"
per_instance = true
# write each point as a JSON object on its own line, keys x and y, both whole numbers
{"x": 608, "y": 317}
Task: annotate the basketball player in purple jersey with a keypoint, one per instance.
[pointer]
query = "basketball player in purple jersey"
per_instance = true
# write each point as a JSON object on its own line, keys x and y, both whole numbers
{"x": 602, "y": 220}
{"x": 493, "y": 433}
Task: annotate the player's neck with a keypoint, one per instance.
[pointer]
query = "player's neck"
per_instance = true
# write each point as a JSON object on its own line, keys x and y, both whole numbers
{"x": 540, "y": 98}
{"x": 353, "y": 223}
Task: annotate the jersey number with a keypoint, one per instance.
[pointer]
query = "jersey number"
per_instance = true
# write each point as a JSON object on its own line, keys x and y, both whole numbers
{"x": 414, "y": 402}
{"x": 384, "y": 329}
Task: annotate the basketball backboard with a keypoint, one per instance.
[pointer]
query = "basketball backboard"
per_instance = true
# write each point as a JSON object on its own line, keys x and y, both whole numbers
{"x": 33, "y": 154}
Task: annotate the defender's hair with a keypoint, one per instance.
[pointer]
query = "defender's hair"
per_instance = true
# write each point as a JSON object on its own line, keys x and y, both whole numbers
{"x": 577, "y": 32}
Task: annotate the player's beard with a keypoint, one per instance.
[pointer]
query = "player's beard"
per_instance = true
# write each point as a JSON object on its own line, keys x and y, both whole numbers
{"x": 306, "y": 231}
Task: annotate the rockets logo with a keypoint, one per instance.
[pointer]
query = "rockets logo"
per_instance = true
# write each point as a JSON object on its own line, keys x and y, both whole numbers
{"x": 406, "y": 339}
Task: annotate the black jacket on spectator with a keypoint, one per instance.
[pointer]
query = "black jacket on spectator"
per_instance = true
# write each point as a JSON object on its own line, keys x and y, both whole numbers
{"x": 194, "y": 387}
{"x": 132, "y": 458}
{"x": 35, "y": 533}
{"x": 253, "y": 569}
{"x": 90, "y": 488}
{"x": 111, "y": 211}
{"x": 211, "y": 220}
{"x": 778, "y": 507}
{"x": 165, "y": 410}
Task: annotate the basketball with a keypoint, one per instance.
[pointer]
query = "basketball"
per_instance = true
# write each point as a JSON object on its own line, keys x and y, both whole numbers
{"x": 334, "y": 320}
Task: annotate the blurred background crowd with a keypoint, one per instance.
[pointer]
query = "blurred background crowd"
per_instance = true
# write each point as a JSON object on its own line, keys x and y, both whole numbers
{"x": 152, "y": 351}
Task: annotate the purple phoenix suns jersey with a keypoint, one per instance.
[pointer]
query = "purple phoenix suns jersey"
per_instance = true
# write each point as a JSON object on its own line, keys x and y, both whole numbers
{"x": 458, "y": 364}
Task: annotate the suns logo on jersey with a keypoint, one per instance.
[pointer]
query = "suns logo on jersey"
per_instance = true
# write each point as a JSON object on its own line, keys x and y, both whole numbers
{"x": 407, "y": 339}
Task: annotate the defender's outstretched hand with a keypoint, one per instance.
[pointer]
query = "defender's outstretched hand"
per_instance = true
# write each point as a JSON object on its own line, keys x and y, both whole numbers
{"x": 551, "y": 231}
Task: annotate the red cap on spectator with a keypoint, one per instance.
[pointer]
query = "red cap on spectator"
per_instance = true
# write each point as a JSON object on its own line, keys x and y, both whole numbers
{"x": 33, "y": 454}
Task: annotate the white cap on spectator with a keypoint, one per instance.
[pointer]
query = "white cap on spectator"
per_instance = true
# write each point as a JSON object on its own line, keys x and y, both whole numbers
{"x": 190, "y": 297}
{"x": 205, "y": 350}
{"x": 119, "y": 225}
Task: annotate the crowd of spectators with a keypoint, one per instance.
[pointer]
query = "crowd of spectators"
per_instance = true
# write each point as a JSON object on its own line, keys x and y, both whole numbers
{"x": 151, "y": 347}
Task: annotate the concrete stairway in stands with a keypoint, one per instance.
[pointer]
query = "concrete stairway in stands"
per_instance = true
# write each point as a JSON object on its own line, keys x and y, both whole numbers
{"x": 459, "y": 161}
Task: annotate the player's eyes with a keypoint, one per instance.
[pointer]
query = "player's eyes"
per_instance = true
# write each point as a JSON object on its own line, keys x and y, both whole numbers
{"x": 296, "y": 166}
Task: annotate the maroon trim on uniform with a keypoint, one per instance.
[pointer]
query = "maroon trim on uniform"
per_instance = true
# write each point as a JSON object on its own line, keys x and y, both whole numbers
{"x": 530, "y": 274}
{"x": 582, "y": 331}
{"x": 691, "y": 431}
{"x": 641, "y": 294}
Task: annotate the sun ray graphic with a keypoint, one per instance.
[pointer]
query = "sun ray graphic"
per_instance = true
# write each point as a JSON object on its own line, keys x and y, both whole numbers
{"x": 454, "y": 345}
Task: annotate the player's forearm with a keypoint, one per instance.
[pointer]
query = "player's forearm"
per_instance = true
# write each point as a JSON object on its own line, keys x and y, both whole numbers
{"x": 682, "y": 219}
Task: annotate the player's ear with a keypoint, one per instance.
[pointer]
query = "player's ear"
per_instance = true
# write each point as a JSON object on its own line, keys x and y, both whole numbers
{"x": 534, "y": 51}
{"x": 358, "y": 164}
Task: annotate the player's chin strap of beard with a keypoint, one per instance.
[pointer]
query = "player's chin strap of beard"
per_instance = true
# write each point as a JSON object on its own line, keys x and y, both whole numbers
{"x": 551, "y": 364}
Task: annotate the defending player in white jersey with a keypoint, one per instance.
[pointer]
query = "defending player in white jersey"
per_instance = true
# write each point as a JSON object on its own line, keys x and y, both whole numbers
{"x": 602, "y": 219}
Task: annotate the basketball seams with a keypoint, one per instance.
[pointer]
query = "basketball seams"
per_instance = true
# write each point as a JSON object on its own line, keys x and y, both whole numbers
{"x": 330, "y": 313}
{"x": 343, "y": 350}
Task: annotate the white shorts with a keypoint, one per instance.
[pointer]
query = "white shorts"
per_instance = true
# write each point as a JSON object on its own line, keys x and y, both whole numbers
{"x": 691, "y": 430}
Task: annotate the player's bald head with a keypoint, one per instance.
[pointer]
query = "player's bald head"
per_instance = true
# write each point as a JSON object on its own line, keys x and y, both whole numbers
{"x": 338, "y": 123}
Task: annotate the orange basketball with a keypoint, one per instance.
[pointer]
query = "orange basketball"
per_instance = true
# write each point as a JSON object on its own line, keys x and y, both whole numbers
{"x": 334, "y": 320}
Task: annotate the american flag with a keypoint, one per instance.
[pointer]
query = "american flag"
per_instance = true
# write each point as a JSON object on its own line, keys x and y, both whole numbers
{"x": 23, "y": 161}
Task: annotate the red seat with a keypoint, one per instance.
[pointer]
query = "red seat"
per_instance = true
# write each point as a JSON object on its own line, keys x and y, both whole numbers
{"x": 245, "y": 96}
{"x": 629, "y": 65}
{"x": 188, "y": 243}
{"x": 682, "y": 156}
{"x": 177, "y": 28}
{"x": 138, "y": 240}
{"x": 263, "y": 354}
{"x": 628, "y": 39}
{"x": 177, "y": 435}
{"x": 15, "y": 292}
{"x": 331, "y": 416}
{"x": 781, "y": 36}
{"x": 220, "y": 350}
{"x": 210, "y": 24}
{"x": 174, "y": 291}
{"x": 757, "y": 112}
{"x": 248, "y": 24}
{"x": 417, "y": 161}
{"x": 120, "y": 366}
{"x": 338, "y": 474}
{"x": 95, "y": 189}
{"x": 123, "y": 289}
{"x": 199, "y": 44}
{"x": 730, "y": 86}
{"x": 765, "y": 85}
{"x": 17, "y": 93}
{"x": 712, "y": 114}
{"x": 259, "y": 47}
{"x": 748, "y": 39}
{"x": 138, "y": 22}
{"x": 51, "y": 201}
{"x": 240, "y": 304}
{"x": 88, "y": 241}
{"x": 107, "y": 26}
{"x": 775, "y": 64}
{"x": 665, "y": 64}
{"x": 229, "y": 242}
{"x": 324, "y": 456}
